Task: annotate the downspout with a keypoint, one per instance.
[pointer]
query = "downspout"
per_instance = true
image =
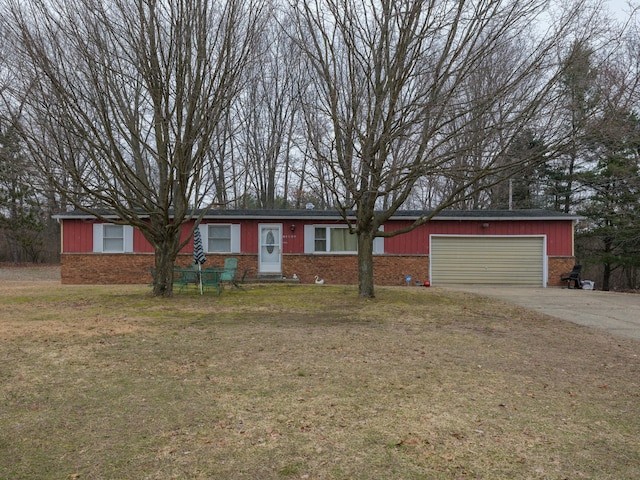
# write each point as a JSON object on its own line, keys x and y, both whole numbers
{"x": 573, "y": 238}
{"x": 61, "y": 234}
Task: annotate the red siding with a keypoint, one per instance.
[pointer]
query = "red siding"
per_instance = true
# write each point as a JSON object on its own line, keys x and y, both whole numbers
{"x": 559, "y": 234}
{"x": 293, "y": 237}
{"x": 78, "y": 235}
{"x": 140, "y": 243}
{"x": 248, "y": 236}
{"x": 292, "y": 240}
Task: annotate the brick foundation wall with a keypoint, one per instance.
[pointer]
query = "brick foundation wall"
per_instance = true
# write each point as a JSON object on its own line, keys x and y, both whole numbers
{"x": 343, "y": 269}
{"x": 105, "y": 269}
{"x": 333, "y": 269}
{"x": 558, "y": 266}
{"x": 94, "y": 268}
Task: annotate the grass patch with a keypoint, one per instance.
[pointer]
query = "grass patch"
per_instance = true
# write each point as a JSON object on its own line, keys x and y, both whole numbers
{"x": 282, "y": 382}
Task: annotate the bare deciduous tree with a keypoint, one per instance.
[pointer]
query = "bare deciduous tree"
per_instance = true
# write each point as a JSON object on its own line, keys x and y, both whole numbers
{"x": 124, "y": 97}
{"x": 268, "y": 114}
{"x": 390, "y": 81}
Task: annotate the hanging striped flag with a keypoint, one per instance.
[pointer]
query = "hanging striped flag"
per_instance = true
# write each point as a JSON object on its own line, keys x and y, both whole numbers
{"x": 198, "y": 251}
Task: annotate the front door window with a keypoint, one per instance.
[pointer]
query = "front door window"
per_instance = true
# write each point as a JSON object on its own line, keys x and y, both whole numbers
{"x": 270, "y": 260}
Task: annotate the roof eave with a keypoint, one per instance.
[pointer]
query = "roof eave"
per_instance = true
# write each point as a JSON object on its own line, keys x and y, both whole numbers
{"x": 328, "y": 215}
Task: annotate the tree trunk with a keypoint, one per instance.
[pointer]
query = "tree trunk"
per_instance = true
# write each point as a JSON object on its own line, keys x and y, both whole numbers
{"x": 606, "y": 277}
{"x": 568, "y": 194}
{"x": 165, "y": 257}
{"x": 365, "y": 264}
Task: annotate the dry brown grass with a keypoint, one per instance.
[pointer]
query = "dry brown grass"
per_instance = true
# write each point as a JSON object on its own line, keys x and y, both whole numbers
{"x": 307, "y": 382}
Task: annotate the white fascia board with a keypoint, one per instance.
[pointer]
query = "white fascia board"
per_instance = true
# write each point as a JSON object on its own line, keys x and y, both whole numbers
{"x": 445, "y": 218}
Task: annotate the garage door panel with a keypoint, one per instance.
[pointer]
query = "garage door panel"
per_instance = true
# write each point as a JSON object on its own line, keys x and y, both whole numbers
{"x": 487, "y": 260}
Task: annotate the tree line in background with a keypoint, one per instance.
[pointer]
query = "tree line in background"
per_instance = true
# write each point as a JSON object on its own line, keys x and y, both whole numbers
{"x": 169, "y": 107}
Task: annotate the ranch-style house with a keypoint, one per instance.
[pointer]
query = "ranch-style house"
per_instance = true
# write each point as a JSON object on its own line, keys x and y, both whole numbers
{"x": 511, "y": 247}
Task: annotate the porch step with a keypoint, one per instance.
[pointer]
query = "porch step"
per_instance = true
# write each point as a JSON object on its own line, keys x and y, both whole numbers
{"x": 270, "y": 278}
{"x": 270, "y": 275}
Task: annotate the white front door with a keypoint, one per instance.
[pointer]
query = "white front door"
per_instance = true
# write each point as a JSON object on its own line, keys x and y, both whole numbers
{"x": 270, "y": 248}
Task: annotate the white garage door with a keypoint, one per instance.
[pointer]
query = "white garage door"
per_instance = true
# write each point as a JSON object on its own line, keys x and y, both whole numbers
{"x": 488, "y": 260}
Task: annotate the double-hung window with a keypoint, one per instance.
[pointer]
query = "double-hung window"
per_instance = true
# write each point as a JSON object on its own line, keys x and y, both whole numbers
{"x": 334, "y": 239}
{"x": 320, "y": 239}
{"x": 111, "y": 238}
{"x": 221, "y": 238}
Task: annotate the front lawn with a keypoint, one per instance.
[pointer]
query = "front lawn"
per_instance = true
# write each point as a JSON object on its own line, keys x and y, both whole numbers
{"x": 307, "y": 382}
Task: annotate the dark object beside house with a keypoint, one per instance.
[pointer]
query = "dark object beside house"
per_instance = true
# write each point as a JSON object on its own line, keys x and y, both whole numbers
{"x": 573, "y": 276}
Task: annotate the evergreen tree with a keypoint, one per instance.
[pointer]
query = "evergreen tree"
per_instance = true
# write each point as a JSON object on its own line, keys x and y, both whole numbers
{"x": 580, "y": 99}
{"x": 611, "y": 237}
{"x": 21, "y": 215}
{"x": 525, "y": 187}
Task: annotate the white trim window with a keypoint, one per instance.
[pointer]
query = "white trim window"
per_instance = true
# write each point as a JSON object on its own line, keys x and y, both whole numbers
{"x": 334, "y": 239}
{"x": 220, "y": 237}
{"x": 112, "y": 238}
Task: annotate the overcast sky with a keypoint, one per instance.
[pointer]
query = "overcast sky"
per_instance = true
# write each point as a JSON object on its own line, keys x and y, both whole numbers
{"x": 621, "y": 8}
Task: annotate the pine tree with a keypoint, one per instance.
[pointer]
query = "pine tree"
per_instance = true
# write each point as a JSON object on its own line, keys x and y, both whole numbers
{"x": 611, "y": 237}
{"x": 21, "y": 217}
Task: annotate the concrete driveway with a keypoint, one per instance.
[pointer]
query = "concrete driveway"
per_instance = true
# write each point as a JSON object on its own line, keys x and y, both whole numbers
{"x": 617, "y": 313}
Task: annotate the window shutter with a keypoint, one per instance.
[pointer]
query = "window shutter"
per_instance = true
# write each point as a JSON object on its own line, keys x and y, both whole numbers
{"x": 127, "y": 231}
{"x": 204, "y": 235}
{"x": 235, "y": 238}
{"x": 97, "y": 238}
{"x": 378, "y": 243}
{"x": 309, "y": 238}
